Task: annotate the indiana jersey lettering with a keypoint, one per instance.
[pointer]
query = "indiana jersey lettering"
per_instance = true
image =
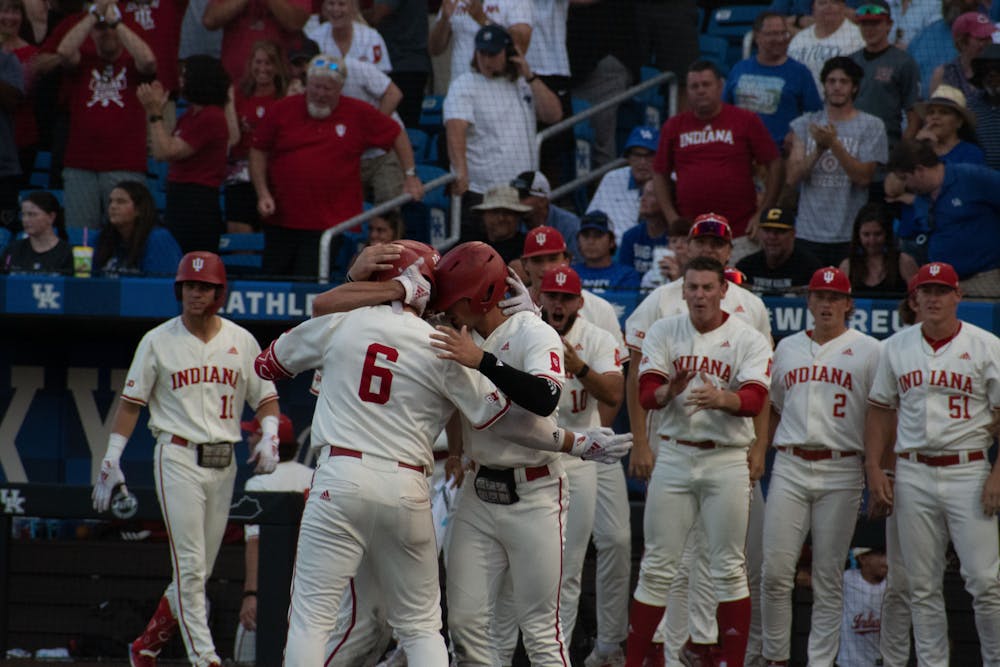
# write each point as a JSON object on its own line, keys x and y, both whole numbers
{"x": 196, "y": 390}
{"x": 667, "y": 300}
{"x": 944, "y": 398}
{"x": 821, "y": 391}
{"x": 383, "y": 390}
{"x": 732, "y": 355}
{"x": 528, "y": 344}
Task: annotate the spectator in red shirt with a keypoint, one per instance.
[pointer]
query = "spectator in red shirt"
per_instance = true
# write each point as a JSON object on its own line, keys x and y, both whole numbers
{"x": 264, "y": 83}
{"x": 107, "y": 128}
{"x": 12, "y": 19}
{"x": 305, "y": 165}
{"x": 246, "y": 22}
{"x": 713, "y": 148}
{"x": 196, "y": 151}
{"x": 158, "y": 22}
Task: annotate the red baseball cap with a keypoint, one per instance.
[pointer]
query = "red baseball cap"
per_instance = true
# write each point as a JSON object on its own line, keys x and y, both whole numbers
{"x": 830, "y": 279}
{"x": 973, "y": 23}
{"x": 562, "y": 279}
{"x": 286, "y": 431}
{"x": 935, "y": 273}
{"x": 711, "y": 224}
{"x": 543, "y": 241}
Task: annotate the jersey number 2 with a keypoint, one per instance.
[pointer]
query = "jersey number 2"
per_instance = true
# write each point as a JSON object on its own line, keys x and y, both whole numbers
{"x": 839, "y": 402}
{"x": 371, "y": 391}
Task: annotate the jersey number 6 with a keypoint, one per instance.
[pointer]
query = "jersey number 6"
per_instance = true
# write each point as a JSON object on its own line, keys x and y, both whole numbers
{"x": 375, "y": 380}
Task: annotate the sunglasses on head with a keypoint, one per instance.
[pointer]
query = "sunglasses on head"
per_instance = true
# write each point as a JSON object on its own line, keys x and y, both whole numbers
{"x": 872, "y": 10}
{"x": 323, "y": 63}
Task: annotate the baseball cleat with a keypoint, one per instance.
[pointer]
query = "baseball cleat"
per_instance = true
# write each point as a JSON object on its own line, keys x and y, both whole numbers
{"x": 140, "y": 658}
{"x": 614, "y": 659}
{"x": 655, "y": 657}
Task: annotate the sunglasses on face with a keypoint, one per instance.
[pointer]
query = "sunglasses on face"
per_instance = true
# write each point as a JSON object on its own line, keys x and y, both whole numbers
{"x": 710, "y": 228}
{"x": 872, "y": 10}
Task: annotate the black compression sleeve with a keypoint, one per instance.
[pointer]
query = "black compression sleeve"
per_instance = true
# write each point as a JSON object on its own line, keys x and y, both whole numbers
{"x": 533, "y": 393}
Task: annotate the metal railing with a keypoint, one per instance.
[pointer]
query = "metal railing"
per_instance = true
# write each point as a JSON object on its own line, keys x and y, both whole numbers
{"x": 453, "y": 232}
{"x": 456, "y": 202}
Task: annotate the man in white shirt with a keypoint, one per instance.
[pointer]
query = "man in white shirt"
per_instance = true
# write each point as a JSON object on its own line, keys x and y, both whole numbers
{"x": 620, "y": 190}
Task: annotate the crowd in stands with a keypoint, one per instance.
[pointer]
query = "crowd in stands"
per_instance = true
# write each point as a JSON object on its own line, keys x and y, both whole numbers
{"x": 160, "y": 129}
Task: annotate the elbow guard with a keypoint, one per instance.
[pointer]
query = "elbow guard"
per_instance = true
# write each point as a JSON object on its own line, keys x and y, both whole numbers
{"x": 752, "y": 397}
{"x": 648, "y": 384}
{"x": 534, "y": 393}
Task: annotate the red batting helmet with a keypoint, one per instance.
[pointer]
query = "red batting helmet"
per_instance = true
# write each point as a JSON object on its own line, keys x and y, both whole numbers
{"x": 412, "y": 251}
{"x": 202, "y": 267}
{"x": 472, "y": 271}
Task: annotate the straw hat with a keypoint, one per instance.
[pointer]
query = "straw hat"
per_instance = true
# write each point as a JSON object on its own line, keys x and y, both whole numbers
{"x": 502, "y": 197}
{"x": 951, "y": 97}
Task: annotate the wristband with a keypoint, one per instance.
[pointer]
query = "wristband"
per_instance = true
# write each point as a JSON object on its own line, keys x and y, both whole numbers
{"x": 582, "y": 372}
{"x": 531, "y": 78}
{"x": 889, "y": 473}
{"x": 116, "y": 445}
{"x": 412, "y": 171}
{"x": 269, "y": 428}
{"x": 249, "y": 594}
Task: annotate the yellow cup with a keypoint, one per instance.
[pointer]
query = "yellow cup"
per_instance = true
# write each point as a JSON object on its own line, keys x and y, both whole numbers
{"x": 83, "y": 258}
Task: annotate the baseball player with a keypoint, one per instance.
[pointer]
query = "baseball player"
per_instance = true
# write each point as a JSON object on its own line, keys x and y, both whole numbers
{"x": 708, "y": 373}
{"x": 194, "y": 372}
{"x": 290, "y": 475}
{"x": 544, "y": 249}
{"x": 384, "y": 398}
{"x": 819, "y": 400}
{"x": 940, "y": 383}
{"x": 592, "y": 376}
{"x": 864, "y": 591}
{"x": 710, "y": 236}
{"x": 512, "y": 516}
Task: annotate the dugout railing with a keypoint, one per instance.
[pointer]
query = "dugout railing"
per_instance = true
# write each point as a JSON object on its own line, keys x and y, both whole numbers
{"x": 442, "y": 239}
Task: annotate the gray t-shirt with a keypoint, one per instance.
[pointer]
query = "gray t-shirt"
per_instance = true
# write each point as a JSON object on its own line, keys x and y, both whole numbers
{"x": 890, "y": 88}
{"x": 405, "y": 35}
{"x": 828, "y": 200}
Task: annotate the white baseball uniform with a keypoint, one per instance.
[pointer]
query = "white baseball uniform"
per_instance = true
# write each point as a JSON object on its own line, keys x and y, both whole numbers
{"x": 944, "y": 396}
{"x": 577, "y": 412}
{"x": 894, "y": 637}
{"x": 862, "y": 619}
{"x": 701, "y": 472}
{"x": 699, "y": 615}
{"x": 821, "y": 393}
{"x": 505, "y": 13}
{"x": 526, "y": 537}
{"x": 195, "y": 392}
{"x": 288, "y": 476}
{"x": 384, "y": 398}
{"x": 367, "y": 44}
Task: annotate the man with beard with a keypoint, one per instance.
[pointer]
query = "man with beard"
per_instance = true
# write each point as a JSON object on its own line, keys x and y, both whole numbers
{"x": 302, "y": 190}
{"x": 780, "y": 264}
{"x": 832, "y": 162}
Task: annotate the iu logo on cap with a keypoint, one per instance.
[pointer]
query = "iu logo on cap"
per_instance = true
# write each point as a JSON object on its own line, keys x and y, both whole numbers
{"x": 934, "y": 269}
{"x": 828, "y": 276}
{"x": 540, "y": 238}
{"x": 560, "y": 278}
{"x": 197, "y": 263}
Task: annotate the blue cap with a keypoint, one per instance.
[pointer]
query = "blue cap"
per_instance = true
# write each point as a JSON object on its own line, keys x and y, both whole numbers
{"x": 643, "y": 136}
{"x": 492, "y": 39}
{"x": 595, "y": 219}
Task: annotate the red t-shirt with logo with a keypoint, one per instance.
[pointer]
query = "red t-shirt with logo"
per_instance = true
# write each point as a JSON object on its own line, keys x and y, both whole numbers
{"x": 314, "y": 165}
{"x": 107, "y": 125}
{"x": 250, "y": 111}
{"x": 253, "y": 24}
{"x": 206, "y": 131}
{"x": 713, "y": 161}
{"x": 158, "y": 22}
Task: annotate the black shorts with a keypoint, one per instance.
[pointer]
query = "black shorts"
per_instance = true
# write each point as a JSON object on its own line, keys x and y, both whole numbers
{"x": 241, "y": 204}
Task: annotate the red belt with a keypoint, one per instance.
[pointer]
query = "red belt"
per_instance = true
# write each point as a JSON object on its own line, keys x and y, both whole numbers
{"x": 178, "y": 440}
{"x": 943, "y": 460}
{"x": 700, "y": 444}
{"x": 344, "y": 451}
{"x": 816, "y": 454}
{"x": 531, "y": 474}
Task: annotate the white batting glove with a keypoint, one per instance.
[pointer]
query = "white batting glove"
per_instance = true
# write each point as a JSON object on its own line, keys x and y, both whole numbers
{"x": 602, "y": 445}
{"x": 415, "y": 285}
{"x": 266, "y": 451}
{"x": 519, "y": 299}
{"x": 107, "y": 480}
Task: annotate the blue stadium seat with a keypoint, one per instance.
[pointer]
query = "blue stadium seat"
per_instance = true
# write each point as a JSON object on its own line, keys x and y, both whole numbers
{"x": 432, "y": 113}
{"x": 419, "y": 140}
{"x": 714, "y": 48}
{"x": 732, "y": 22}
{"x": 75, "y": 236}
{"x": 4, "y": 238}
{"x": 41, "y": 171}
{"x": 156, "y": 174}
{"x": 242, "y": 251}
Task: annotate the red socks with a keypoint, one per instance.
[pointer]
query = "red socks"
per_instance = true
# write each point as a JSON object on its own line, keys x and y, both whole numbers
{"x": 643, "y": 619}
{"x": 734, "y": 627}
{"x": 160, "y": 630}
